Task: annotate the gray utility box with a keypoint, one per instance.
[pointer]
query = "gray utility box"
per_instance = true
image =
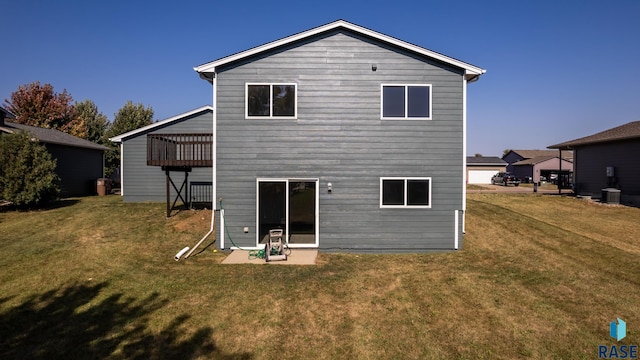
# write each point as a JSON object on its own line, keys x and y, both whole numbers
{"x": 610, "y": 196}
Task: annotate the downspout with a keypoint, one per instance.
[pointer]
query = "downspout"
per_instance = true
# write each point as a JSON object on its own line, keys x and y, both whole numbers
{"x": 122, "y": 168}
{"x": 213, "y": 168}
{"x": 214, "y": 156}
{"x": 464, "y": 152}
{"x": 214, "y": 146}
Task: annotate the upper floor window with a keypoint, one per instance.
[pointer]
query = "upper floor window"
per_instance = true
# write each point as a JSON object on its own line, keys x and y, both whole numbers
{"x": 271, "y": 100}
{"x": 400, "y": 192}
{"x": 406, "y": 101}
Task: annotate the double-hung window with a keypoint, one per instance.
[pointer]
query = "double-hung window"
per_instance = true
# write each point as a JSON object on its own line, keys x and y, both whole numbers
{"x": 406, "y": 102}
{"x": 409, "y": 192}
{"x": 267, "y": 100}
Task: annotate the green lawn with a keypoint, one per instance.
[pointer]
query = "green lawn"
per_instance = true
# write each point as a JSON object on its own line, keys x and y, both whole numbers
{"x": 538, "y": 277}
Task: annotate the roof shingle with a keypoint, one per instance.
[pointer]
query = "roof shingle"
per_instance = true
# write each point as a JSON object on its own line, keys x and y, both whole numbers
{"x": 530, "y": 154}
{"x": 623, "y": 132}
{"x": 539, "y": 159}
{"x": 52, "y": 136}
{"x": 485, "y": 160}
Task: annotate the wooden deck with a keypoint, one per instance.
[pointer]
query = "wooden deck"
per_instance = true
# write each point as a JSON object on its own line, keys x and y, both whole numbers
{"x": 180, "y": 153}
{"x": 179, "y": 150}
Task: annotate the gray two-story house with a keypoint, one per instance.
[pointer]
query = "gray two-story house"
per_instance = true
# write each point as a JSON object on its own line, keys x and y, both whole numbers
{"x": 345, "y": 138}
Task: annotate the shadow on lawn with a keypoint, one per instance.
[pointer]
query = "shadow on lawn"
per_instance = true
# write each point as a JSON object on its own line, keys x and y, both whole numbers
{"x": 69, "y": 323}
{"x": 7, "y": 206}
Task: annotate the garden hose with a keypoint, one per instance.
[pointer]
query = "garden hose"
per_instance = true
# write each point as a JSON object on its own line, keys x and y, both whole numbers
{"x": 253, "y": 254}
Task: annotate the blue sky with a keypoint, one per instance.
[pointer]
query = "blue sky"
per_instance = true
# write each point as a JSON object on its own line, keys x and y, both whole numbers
{"x": 556, "y": 70}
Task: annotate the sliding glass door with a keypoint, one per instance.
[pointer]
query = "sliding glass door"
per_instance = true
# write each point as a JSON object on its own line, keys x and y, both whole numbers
{"x": 290, "y": 205}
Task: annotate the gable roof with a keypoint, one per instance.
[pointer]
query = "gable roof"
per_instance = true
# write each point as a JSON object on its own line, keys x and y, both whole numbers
{"x": 52, "y": 136}
{"x": 539, "y": 159}
{"x": 7, "y": 114}
{"x": 161, "y": 123}
{"x": 623, "y": 132}
{"x": 530, "y": 154}
{"x": 485, "y": 160}
{"x": 207, "y": 70}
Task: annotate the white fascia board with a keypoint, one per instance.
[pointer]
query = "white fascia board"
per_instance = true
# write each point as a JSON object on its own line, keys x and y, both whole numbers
{"x": 471, "y": 71}
{"x": 120, "y": 137}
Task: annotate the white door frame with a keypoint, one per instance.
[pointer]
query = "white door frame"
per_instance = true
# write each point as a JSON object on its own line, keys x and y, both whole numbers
{"x": 317, "y": 209}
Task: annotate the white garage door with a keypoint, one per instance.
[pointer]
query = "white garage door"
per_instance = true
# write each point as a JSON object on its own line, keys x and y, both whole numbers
{"x": 481, "y": 176}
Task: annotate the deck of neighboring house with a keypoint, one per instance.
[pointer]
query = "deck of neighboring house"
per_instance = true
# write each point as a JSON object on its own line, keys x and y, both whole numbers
{"x": 181, "y": 153}
{"x": 179, "y": 150}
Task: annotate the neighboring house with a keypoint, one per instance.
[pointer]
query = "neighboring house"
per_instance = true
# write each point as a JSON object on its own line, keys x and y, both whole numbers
{"x": 79, "y": 162}
{"x": 142, "y": 178}
{"x": 345, "y": 138}
{"x": 608, "y": 159}
{"x": 480, "y": 169}
{"x": 538, "y": 165}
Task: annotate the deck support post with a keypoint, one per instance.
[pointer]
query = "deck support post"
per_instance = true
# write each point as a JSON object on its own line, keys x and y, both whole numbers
{"x": 184, "y": 185}
{"x": 559, "y": 178}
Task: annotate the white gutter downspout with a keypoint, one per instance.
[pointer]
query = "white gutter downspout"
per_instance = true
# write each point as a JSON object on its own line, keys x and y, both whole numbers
{"x": 213, "y": 171}
{"x": 122, "y": 168}
{"x": 214, "y": 157}
{"x": 465, "y": 82}
{"x": 464, "y": 152}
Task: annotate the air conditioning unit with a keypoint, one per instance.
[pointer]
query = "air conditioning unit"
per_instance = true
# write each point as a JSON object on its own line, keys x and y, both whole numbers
{"x": 610, "y": 196}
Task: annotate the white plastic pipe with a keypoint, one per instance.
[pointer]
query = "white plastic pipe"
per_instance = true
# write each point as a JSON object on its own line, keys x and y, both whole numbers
{"x": 181, "y": 252}
{"x": 213, "y": 217}
{"x": 214, "y": 156}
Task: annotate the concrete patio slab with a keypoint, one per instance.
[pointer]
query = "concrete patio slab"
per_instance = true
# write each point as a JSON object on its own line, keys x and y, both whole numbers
{"x": 297, "y": 257}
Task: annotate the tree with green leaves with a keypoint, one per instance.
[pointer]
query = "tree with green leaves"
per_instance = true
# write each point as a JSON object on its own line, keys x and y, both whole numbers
{"x": 39, "y": 105}
{"x": 96, "y": 122}
{"x": 130, "y": 117}
{"x": 27, "y": 171}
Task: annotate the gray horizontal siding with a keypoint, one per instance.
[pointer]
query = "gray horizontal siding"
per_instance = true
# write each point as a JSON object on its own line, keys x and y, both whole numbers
{"x": 148, "y": 183}
{"x": 339, "y": 137}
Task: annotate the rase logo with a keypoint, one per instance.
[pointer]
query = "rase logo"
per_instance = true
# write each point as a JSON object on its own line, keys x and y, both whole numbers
{"x": 618, "y": 331}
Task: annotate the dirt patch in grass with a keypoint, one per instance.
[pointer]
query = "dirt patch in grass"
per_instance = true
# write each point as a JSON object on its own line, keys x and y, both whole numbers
{"x": 190, "y": 220}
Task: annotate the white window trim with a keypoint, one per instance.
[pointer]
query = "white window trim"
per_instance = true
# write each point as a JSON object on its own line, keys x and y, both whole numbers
{"x": 405, "y": 206}
{"x": 246, "y": 101}
{"x": 406, "y": 103}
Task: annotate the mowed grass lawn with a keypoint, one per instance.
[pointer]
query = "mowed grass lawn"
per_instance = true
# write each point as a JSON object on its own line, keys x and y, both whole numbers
{"x": 538, "y": 277}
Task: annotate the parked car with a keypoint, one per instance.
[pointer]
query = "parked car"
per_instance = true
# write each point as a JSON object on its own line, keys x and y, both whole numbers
{"x": 505, "y": 178}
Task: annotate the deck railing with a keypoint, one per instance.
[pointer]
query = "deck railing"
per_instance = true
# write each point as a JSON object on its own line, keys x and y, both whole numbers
{"x": 179, "y": 150}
